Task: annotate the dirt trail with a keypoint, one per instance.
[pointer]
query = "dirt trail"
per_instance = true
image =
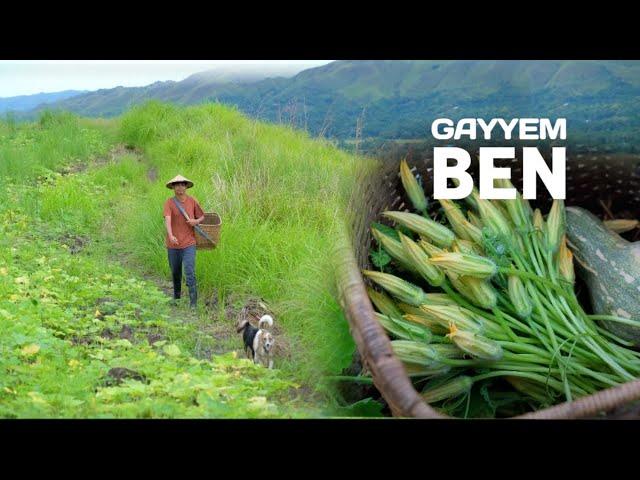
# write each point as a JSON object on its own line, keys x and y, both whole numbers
{"x": 215, "y": 324}
{"x": 114, "y": 155}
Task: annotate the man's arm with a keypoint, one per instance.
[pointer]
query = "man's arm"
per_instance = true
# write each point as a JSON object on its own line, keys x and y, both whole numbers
{"x": 198, "y": 211}
{"x": 195, "y": 221}
{"x": 172, "y": 238}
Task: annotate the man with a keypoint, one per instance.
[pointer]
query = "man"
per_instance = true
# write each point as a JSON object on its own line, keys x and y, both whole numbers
{"x": 181, "y": 237}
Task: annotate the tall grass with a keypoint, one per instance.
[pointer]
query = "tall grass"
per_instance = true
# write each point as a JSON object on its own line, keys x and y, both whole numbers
{"x": 54, "y": 141}
{"x": 282, "y": 197}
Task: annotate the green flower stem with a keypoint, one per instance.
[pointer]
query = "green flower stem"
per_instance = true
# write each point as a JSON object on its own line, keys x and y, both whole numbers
{"x": 504, "y": 325}
{"x": 514, "y": 321}
{"x": 613, "y": 318}
{"x": 538, "y": 251}
{"x": 550, "y": 267}
{"x": 458, "y": 362}
{"x": 571, "y": 331}
{"x": 600, "y": 349}
{"x": 524, "y": 348}
{"x": 523, "y": 367}
{"x": 565, "y": 314}
{"x": 605, "y": 333}
{"x": 556, "y": 316}
{"x": 531, "y": 251}
{"x": 529, "y": 375}
{"x": 601, "y": 379}
{"x": 534, "y": 277}
{"x": 592, "y": 340}
{"x": 526, "y": 358}
{"x": 554, "y": 341}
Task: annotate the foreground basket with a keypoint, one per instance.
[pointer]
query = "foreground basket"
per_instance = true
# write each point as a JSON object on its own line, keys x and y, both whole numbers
{"x": 589, "y": 177}
{"x": 211, "y": 225}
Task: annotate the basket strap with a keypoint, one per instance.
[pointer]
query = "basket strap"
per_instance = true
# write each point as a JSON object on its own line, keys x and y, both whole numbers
{"x": 186, "y": 216}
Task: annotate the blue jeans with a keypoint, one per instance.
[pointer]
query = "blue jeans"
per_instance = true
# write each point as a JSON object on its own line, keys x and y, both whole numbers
{"x": 178, "y": 257}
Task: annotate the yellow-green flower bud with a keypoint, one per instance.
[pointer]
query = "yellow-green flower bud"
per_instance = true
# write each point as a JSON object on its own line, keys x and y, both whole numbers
{"x": 384, "y": 303}
{"x": 477, "y": 290}
{"x": 440, "y": 299}
{"x": 466, "y": 264}
{"x": 457, "y": 219}
{"x": 518, "y": 208}
{"x": 426, "y": 371}
{"x": 461, "y": 226}
{"x": 475, "y": 233}
{"x": 540, "y": 229}
{"x": 429, "y": 248}
{"x": 474, "y": 344}
{"x": 394, "y": 248}
{"x": 465, "y": 246}
{"x": 420, "y": 261}
{"x": 448, "y": 314}
{"x": 493, "y": 218}
{"x": 565, "y": 262}
{"x": 432, "y": 299}
{"x": 449, "y": 389}
{"x": 403, "y": 329}
{"x": 401, "y": 289}
{"x": 413, "y": 188}
{"x": 422, "y": 318}
{"x": 411, "y": 309}
{"x": 555, "y": 225}
{"x": 530, "y": 387}
{"x": 418, "y": 353}
{"x": 519, "y": 297}
{"x": 437, "y": 233}
{"x": 538, "y": 221}
{"x": 474, "y": 220}
{"x": 448, "y": 350}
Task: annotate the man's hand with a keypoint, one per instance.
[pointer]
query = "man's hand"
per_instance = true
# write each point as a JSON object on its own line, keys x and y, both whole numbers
{"x": 174, "y": 239}
{"x": 193, "y": 222}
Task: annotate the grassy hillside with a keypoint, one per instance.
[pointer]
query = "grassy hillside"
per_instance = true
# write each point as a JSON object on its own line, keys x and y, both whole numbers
{"x": 75, "y": 244}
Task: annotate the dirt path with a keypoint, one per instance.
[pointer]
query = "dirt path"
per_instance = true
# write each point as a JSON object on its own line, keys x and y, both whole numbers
{"x": 213, "y": 324}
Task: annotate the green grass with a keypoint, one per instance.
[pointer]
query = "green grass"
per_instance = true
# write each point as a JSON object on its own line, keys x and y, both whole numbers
{"x": 282, "y": 197}
{"x": 51, "y": 143}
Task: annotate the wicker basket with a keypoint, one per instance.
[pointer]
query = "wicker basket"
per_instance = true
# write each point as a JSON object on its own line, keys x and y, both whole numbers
{"x": 589, "y": 177}
{"x": 211, "y": 226}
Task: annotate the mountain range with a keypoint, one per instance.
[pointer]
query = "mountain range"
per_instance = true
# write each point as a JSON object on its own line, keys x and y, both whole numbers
{"x": 400, "y": 99}
{"x": 29, "y": 102}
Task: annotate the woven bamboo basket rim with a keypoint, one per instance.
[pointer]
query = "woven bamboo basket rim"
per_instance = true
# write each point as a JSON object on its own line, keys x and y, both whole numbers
{"x": 587, "y": 175}
{"x": 209, "y": 215}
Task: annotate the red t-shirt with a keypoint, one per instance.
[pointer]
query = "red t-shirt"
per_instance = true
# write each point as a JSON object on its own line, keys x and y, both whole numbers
{"x": 186, "y": 234}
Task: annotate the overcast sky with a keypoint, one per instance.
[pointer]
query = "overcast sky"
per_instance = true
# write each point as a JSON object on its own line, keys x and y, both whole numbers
{"x": 26, "y": 77}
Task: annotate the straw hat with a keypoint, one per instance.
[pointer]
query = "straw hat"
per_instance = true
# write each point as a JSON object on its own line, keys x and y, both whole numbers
{"x": 179, "y": 178}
